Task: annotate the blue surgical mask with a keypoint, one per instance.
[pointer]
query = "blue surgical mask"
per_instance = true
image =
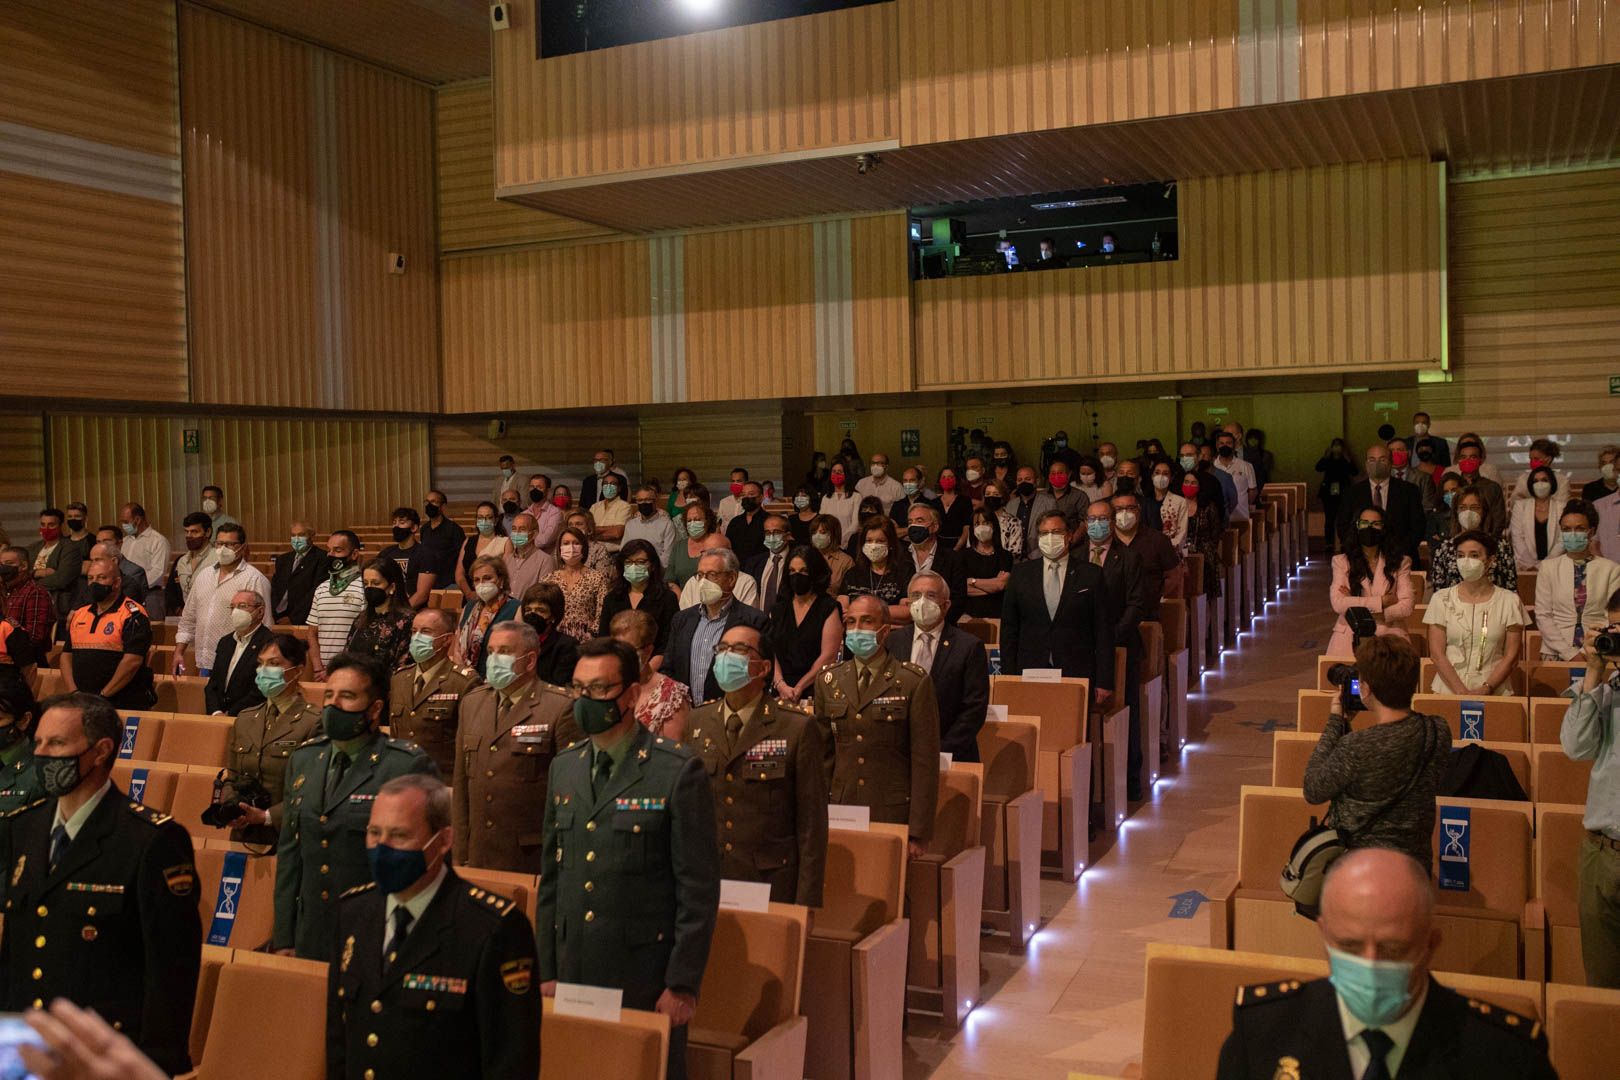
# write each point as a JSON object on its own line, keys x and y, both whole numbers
{"x": 520, "y": 540}
{"x": 396, "y": 869}
{"x": 1449, "y": 497}
{"x": 863, "y": 643}
{"x": 1375, "y": 991}
{"x": 610, "y": 491}
{"x": 129, "y": 529}
{"x": 1098, "y": 530}
{"x": 300, "y": 544}
{"x": 731, "y": 671}
{"x": 485, "y": 526}
{"x": 1574, "y": 542}
{"x": 909, "y": 487}
{"x": 775, "y": 541}
{"x": 271, "y": 681}
{"x": 422, "y": 649}
{"x": 635, "y": 573}
{"x": 696, "y": 528}
{"x": 500, "y": 670}
{"x": 1187, "y": 462}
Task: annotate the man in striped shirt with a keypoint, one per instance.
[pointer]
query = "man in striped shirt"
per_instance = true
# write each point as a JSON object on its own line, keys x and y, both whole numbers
{"x": 339, "y": 600}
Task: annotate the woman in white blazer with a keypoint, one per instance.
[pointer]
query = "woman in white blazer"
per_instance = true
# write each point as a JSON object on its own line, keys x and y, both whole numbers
{"x": 1534, "y": 524}
{"x": 1557, "y": 613}
{"x": 1172, "y": 506}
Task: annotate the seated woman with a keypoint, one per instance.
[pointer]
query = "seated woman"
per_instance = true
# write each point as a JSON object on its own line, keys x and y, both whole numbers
{"x": 1476, "y": 629}
{"x": 1573, "y": 585}
{"x": 543, "y": 606}
{"x": 1471, "y": 509}
{"x": 1369, "y": 575}
{"x": 827, "y": 537}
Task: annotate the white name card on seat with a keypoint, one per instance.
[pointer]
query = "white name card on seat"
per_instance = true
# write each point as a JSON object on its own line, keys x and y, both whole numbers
{"x": 944, "y": 761}
{"x": 842, "y": 816}
{"x": 996, "y": 714}
{"x": 589, "y": 1002}
{"x": 1043, "y": 674}
{"x": 745, "y": 895}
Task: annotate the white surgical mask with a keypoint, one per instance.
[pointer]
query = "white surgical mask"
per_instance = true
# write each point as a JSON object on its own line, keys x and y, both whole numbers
{"x": 1107, "y": 461}
{"x": 1541, "y": 488}
{"x": 1470, "y": 569}
{"x": 1161, "y": 482}
{"x": 925, "y": 613}
{"x": 878, "y": 471}
{"x": 225, "y": 555}
{"x": 680, "y": 485}
{"x": 1053, "y": 545}
{"x": 709, "y": 593}
{"x": 973, "y": 475}
{"x": 875, "y": 552}
{"x": 1420, "y": 429}
{"x": 1126, "y": 520}
{"x": 1607, "y": 469}
{"x": 487, "y": 590}
{"x": 821, "y": 541}
{"x": 983, "y": 533}
{"x": 1468, "y": 519}
{"x": 241, "y": 619}
{"x": 210, "y": 506}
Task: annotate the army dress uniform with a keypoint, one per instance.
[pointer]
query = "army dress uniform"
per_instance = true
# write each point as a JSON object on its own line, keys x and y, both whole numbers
{"x": 114, "y": 927}
{"x": 263, "y": 739}
{"x": 770, "y": 795}
{"x": 457, "y": 997}
{"x": 19, "y": 780}
{"x": 322, "y": 849}
{"x": 632, "y": 882}
{"x": 498, "y": 800}
{"x": 428, "y": 713}
{"x": 1292, "y": 1030}
{"x": 884, "y": 744}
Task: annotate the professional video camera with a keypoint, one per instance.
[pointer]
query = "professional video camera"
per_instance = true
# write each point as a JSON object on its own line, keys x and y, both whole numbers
{"x": 230, "y": 791}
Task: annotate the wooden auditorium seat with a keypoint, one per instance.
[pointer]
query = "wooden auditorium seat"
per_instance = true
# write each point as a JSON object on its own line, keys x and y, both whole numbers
{"x": 182, "y": 694}
{"x": 1151, "y": 694}
{"x": 150, "y": 783}
{"x": 1011, "y": 832}
{"x": 1063, "y": 763}
{"x": 1178, "y": 672}
{"x": 214, "y": 958}
{"x": 1198, "y": 616}
{"x": 1291, "y": 752}
{"x": 635, "y": 1048}
{"x": 748, "y": 1025}
{"x": 195, "y": 740}
{"x": 945, "y": 899}
{"x": 1547, "y": 718}
{"x": 1550, "y": 678}
{"x": 243, "y": 1042}
{"x": 1557, "y": 779}
{"x": 143, "y": 731}
{"x": 1506, "y": 719}
{"x": 986, "y": 630}
{"x": 247, "y": 907}
{"x": 1581, "y": 1022}
{"x": 1560, "y": 835}
{"x": 193, "y": 793}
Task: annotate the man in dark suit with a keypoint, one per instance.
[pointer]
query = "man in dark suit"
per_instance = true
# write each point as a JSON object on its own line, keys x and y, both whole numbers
{"x": 953, "y": 658}
{"x": 232, "y": 681}
{"x": 434, "y": 976}
{"x": 294, "y": 577}
{"x": 1400, "y": 501}
{"x": 1124, "y": 600}
{"x": 101, "y": 905}
{"x": 633, "y": 891}
{"x": 769, "y": 565}
{"x": 1053, "y": 614}
{"x": 927, "y": 553}
{"x": 689, "y": 658}
{"x": 590, "y": 489}
{"x": 1377, "y": 920}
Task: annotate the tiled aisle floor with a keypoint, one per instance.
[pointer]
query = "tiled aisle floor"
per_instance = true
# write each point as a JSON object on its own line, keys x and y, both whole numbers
{"x": 1074, "y": 1002}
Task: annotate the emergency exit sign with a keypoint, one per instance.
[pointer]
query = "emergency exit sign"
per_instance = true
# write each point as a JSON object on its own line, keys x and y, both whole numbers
{"x": 1614, "y": 385}
{"x": 191, "y": 442}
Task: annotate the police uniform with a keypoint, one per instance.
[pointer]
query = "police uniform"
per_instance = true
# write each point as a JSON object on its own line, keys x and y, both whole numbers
{"x": 115, "y": 927}
{"x": 322, "y": 850}
{"x": 458, "y": 998}
{"x": 97, "y": 641}
{"x": 770, "y": 796}
{"x": 498, "y": 800}
{"x": 263, "y": 739}
{"x": 1292, "y": 1030}
{"x": 632, "y": 881}
{"x": 884, "y": 745}
{"x": 428, "y": 716}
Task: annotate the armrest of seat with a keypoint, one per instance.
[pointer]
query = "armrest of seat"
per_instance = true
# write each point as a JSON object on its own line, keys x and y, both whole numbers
{"x": 961, "y": 903}
{"x": 1074, "y": 810}
{"x": 879, "y": 1000}
{"x": 778, "y": 1052}
{"x": 1023, "y": 846}
{"x": 1220, "y": 911}
{"x": 1535, "y": 941}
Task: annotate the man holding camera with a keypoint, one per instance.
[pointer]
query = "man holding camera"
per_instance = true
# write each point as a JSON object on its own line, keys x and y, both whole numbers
{"x": 1588, "y": 734}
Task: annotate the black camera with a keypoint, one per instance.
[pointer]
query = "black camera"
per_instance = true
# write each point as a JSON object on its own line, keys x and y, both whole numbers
{"x": 1348, "y": 680}
{"x": 1361, "y": 624}
{"x": 1607, "y": 644}
{"x": 230, "y": 791}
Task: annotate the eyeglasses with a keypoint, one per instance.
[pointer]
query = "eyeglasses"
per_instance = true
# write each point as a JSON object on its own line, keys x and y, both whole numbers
{"x": 239, "y": 545}
{"x": 738, "y": 648}
{"x": 637, "y": 562}
{"x": 598, "y": 691}
{"x": 715, "y": 576}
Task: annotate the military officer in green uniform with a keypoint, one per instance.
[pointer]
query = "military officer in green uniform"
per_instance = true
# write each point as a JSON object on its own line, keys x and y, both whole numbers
{"x": 1379, "y": 1014}
{"x": 264, "y": 737}
{"x": 511, "y": 729}
{"x": 101, "y": 892}
{"x": 19, "y": 781}
{"x": 883, "y": 723}
{"x": 331, "y": 782}
{"x": 427, "y": 694}
{"x": 632, "y": 882}
{"x": 434, "y": 976}
{"x": 767, "y": 765}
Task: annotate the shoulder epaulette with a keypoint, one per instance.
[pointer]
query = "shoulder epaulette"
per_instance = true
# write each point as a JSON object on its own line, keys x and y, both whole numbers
{"x": 553, "y": 688}
{"x": 357, "y": 890}
{"x": 1261, "y": 993}
{"x": 671, "y": 746}
{"x": 500, "y": 905}
{"x": 147, "y": 814}
{"x": 319, "y": 737}
{"x": 1522, "y": 1026}
{"x": 913, "y": 668}
{"x": 467, "y": 672}
{"x": 404, "y": 744}
{"x": 28, "y": 807}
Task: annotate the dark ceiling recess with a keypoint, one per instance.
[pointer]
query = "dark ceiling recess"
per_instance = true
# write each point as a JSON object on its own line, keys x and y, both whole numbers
{"x": 576, "y": 26}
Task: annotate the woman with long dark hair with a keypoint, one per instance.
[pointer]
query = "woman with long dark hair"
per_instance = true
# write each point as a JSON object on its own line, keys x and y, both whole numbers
{"x": 1371, "y": 575}
{"x": 383, "y": 629}
{"x": 641, "y": 587}
{"x": 806, "y": 624}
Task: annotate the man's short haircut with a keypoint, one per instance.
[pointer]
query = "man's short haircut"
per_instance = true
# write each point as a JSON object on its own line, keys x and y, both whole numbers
{"x": 883, "y": 608}
{"x": 108, "y": 564}
{"x": 375, "y": 672}
{"x": 408, "y": 513}
{"x": 292, "y": 648}
{"x": 1416, "y": 874}
{"x": 1049, "y": 515}
{"x": 96, "y": 713}
{"x": 442, "y": 496}
{"x": 51, "y": 511}
{"x": 85, "y": 510}
{"x": 137, "y": 510}
{"x": 740, "y": 469}
{"x": 199, "y": 519}
{"x": 215, "y": 488}
{"x": 727, "y": 557}
{"x": 347, "y": 534}
{"x": 932, "y": 511}
{"x": 526, "y": 635}
{"x": 435, "y": 792}
{"x": 547, "y": 593}
{"x": 235, "y": 528}
{"x": 919, "y": 575}
{"x": 444, "y": 617}
{"x": 1389, "y": 666}
{"x": 540, "y": 476}
{"x": 629, "y": 662}
{"x": 505, "y": 457}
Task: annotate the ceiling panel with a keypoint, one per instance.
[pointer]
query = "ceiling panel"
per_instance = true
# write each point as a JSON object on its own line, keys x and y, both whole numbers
{"x": 1565, "y": 120}
{"x": 433, "y": 40}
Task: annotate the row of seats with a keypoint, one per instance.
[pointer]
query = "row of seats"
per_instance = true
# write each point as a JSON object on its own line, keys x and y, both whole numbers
{"x": 1533, "y": 678}
{"x": 1499, "y": 719}
{"x": 1544, "y": 772}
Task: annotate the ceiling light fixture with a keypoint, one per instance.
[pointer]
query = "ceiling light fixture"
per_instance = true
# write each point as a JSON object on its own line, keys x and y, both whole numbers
{"x": 1072, "y": 204}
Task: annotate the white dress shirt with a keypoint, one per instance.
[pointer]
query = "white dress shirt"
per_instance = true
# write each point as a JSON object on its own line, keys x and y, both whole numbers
{"x": 887, "y": 490}
{"x": 150, "y": 551}
{"x": 1242, "y": 474}
{"x": 415, "y": 905}
{"x": 207, "y": 617}
{"x": 82, "y": 814}
{"x": 1400, "y": 1033}
{"x": 924, "y": 645}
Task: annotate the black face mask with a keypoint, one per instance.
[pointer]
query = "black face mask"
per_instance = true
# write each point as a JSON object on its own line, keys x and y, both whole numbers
{"x": 1024, "y": 491}
{"x": 1001, "y": 462}
{"x": 536, "y": 495}
{"x": 11, "y": 735}
{"x": 100, "y": 591}
{"x": 1225, "y": 452}
{"x": 402, "y": 533}
{"x": 647, "y": 509}
{"x": 1370, "y": 535}
{"x": 994, "y": 503}
{"x": 750, "y": 505}
{"x": 538, "y": 623}
{"x": 917, "y": 534}
{"x": 375, "y": 597}
{"x": 510, "y": 506}
{"x": 7, "y": 571}
{"x": 75, "y": 524}
{"x": 799, "y": 582}
{"x": 335, "y": 565}
{"x": 431, "y": 509}
{"x": 1425, "y": 453}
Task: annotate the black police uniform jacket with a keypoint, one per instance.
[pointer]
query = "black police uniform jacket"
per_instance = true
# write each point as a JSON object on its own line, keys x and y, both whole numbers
{"x": 458, "y": 999}
{"x": 115, "y": 927}
{"x": 1291, "y": 1031}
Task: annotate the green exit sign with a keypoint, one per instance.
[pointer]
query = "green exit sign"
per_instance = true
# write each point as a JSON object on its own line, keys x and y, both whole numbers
{"x": 191, "y": 441}
{"x": 1386, "y": 406}
{"x": 1614, "y": 385}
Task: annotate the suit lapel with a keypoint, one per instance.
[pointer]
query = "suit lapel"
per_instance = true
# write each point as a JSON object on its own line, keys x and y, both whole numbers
{"x": 84, "y": 848}
{"x": 1322, "y": 1033}
{"x": 942, "y": 651}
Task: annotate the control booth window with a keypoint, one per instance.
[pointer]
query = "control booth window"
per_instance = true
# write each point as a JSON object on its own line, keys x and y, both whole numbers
{"x": 576, "y": 26}
{"x": 1067, "y": 230}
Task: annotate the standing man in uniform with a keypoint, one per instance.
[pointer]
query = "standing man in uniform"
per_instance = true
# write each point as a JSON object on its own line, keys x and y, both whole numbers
{"x": 512, "y": 728}
{"x": 19, "y": 780}
{"x": 434, "y": 976}
{"x": 264, "y": 737}
{"x": 105, "y": 644}
{"x": 427, "y": 694}
{"x": 767, "y": 764}
{"x": 630, "y": 854}
{"x": 102, "y": 903}
{"x": 331, "y": 782}
{"x": 883, "y": 719}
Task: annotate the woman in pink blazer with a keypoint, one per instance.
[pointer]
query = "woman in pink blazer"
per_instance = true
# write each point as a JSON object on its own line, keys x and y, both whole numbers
{"x": 1369, "y": 576}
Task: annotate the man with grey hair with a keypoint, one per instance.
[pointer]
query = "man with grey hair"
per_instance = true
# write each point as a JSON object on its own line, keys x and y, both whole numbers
{"x": 426, "y": 696}
{"x": 108, "y": 546}
{"x": 511, "y": 728}
{"x": 1379, "y": 1014}
{"x": 232, "y": 685}
{"x": 435, "y": 975}
{"x": 929, "y": 553}
{"x": 745, "y": 589}
{"x": 695, "y": 631}
{"x": 953, "y": 658}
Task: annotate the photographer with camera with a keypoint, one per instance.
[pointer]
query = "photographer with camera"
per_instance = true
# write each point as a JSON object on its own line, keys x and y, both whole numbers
{"x": 1381, "y": 779}
{"x": 1588, "y": 734}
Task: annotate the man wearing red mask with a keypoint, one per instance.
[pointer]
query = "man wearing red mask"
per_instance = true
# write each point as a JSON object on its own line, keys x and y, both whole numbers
{"x": 1060, "y": 495}
{"x": 1475, "y": 474}
{"x": 731, "y": 503}
{"x": 57, "y": 559}
{"x": 1420, "y": 474}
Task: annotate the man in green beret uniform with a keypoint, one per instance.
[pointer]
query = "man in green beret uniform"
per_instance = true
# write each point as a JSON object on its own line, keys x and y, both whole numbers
{"x": 427, "y": 694}
{"x": 882, "y": 720}
{"x": 767, "y": 765}
{"x": 1380, "y": 1014}
{"x": 632, "y": 881}
{"x": 331, "y": 782}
